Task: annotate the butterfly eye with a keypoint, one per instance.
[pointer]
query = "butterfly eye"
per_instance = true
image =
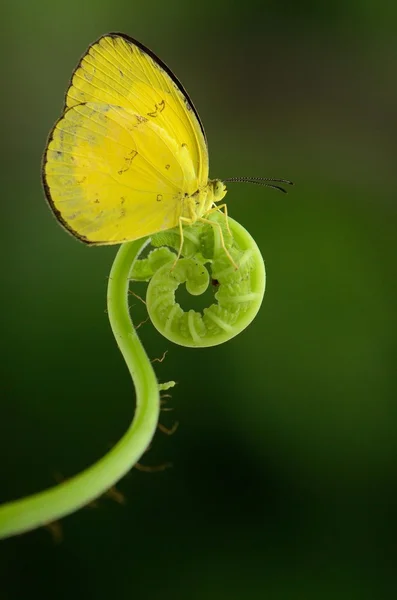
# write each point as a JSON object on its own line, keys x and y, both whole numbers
{"x": 219, "y": 190}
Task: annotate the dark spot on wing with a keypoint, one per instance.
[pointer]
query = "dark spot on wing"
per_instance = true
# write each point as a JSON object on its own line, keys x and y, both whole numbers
{"x": 122, "y": 200}
{"x": 121, "y": 73}
{"x": 128, "y": 160}
{"x": 122, "y": 213}
{"x": 158, "y": 109}
{"x": 184, "y": 145}
{"x": 139, "y": 120}
{"x": 96, "y": 201}
{"x": 167, "y": 167}
{"x": 82, "y": 180}
{"x": 159, "y": 197}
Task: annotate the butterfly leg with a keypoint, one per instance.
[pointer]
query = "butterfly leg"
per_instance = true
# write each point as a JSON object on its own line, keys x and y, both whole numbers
{"x": 219, "y": 208}
{"x": 213, "y": 224}
{"x": 188, "y": 222}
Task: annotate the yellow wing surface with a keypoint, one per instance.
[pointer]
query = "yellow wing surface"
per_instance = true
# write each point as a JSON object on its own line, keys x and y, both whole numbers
{"x": 128, "y": 149}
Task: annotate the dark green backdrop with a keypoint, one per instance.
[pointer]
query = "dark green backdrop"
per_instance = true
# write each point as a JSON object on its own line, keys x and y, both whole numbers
{"x": 285, "y": 462}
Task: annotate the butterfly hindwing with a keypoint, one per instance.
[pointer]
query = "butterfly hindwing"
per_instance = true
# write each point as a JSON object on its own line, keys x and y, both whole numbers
{"x": 113, "y": 176}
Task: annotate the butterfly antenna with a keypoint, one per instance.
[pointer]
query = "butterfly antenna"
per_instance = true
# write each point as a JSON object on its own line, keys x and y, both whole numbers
{"x": 265, "y": 181}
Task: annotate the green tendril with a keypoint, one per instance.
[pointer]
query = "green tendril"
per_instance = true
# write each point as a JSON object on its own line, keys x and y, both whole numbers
{"x": 52, "y": 504}
{"x": 239, "y": 292}
{"x": 238, "y": 296}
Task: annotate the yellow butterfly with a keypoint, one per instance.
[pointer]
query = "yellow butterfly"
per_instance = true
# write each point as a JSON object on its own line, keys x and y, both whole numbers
{"x": 128, "y": 158}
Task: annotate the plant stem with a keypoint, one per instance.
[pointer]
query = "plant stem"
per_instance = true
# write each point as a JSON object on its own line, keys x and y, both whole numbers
{"x": 52, "y": 504}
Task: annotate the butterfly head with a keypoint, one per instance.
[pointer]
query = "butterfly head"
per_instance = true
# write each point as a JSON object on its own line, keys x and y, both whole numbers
{"x": 218, "y": 189}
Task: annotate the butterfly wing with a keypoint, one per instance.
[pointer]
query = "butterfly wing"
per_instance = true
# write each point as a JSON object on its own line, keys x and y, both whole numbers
{"x": 113, "y": 176}
{"x": 128, "y": 148}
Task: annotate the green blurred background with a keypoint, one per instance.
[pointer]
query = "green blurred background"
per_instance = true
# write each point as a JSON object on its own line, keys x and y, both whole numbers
{"x": 285, "y": 461}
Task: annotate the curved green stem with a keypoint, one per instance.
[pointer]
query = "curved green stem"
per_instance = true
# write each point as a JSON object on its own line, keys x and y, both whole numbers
{"x": 52, "y": 504}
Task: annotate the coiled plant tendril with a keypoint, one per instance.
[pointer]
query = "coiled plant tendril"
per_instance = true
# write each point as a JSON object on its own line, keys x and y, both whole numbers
{"x": 239, "y": 295}
{"x": 239, "y": 292}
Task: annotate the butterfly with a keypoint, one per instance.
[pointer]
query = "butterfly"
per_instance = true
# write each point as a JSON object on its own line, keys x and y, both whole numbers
{"x": 128, "y": 157}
